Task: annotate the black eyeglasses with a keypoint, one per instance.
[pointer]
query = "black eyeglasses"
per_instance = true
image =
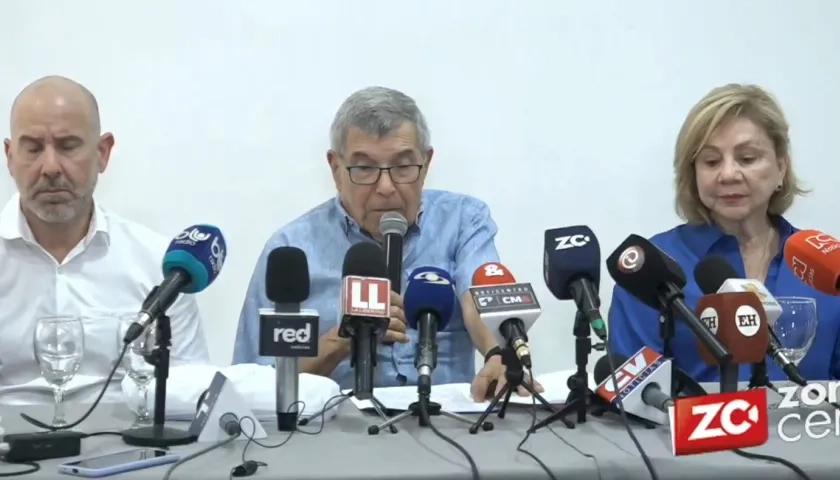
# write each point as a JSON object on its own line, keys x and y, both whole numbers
{"x": 369, "y": 175}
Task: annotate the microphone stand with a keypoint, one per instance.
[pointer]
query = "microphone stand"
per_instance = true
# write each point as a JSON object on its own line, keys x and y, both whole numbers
{"x": 424, "y": 408}
{"x": 581, "y": 398}
{"x": 759, "y": 377}
{"x": 158, "y": 435}
{"x": 362, "y": 339}
{"x": 515, "y": 377}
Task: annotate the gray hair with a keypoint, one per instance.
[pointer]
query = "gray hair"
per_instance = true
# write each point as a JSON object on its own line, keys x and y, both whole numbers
{"x": 377, "y": 111}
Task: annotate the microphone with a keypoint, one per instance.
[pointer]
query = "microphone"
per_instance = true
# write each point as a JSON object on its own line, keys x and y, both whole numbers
{"x": 814, "y": 258}
{"x": 572, "y": 268}
{"x": 365, "y": 311}
{"x": 492, "y": 274}
{"x": 508, "y": 309}
{"x": 191, "y": 263}
{"x": 429, "y": 305}
{"x": 287, "y": 333}
{"x": 392, "y": 227}
{"x": 656, "y": 279}
{"x": 643, "y": 380}
{"x": 714, "y": 274}
{"x": 739, "y": 322}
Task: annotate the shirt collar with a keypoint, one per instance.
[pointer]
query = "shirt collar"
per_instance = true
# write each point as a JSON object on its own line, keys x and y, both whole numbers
{"x": 13, "y": 224}
{"x": 348, "y": 224}
{"x": 702, "y": 238}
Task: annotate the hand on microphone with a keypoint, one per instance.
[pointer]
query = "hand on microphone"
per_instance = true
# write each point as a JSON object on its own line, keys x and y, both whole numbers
{"x": 493, "y": 375}
{"x": 397, "y": 327}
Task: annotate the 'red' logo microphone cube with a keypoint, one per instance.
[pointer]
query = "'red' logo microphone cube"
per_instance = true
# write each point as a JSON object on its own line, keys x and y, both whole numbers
{"x": 722, "y": 421}
{"x": 366, "y": 297}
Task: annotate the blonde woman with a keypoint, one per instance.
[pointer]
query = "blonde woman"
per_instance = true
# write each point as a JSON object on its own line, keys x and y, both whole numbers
{"x": 734, "y": 181}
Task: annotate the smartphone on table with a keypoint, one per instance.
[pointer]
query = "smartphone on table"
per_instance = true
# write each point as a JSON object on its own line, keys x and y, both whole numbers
{"x": 113, "y": 463}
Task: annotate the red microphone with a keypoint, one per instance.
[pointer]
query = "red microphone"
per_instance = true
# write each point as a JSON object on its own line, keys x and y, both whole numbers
{"x": 814, "y": 257}
{"x": 492, "y": 273}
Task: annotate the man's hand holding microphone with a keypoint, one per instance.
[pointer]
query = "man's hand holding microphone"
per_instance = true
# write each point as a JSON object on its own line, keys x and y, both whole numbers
{"x": 396, "y": 332}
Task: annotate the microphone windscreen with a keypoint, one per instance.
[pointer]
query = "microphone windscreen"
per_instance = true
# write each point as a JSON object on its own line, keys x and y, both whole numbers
{"x": 365, "y": 260}
{"x": 639, "y": 267}
{"x": 200, "y": 251}
{"x": 814, "y": 257}
{"x": 570, "y": 253}
{"x": 392, "y": 222}
{"x": 429, "y": 289}
{"x": 711, "y": 271}
{"x": 602, "y": 368}
{"x": 492, "y": 273}
{"x": 287, "y": 275}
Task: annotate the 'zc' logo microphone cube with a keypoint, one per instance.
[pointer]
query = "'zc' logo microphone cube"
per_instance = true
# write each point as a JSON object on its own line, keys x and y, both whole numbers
{"x": 366, "y": 297}
{"x": 723, "y": 421}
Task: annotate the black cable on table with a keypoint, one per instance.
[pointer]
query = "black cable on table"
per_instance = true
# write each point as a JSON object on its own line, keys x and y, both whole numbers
{"x": 90, "y": 410}
{"x": 33, "y": 467}
{"x": 100, "y": 434}
{"x": 771, "y": 458}
{"x": 624, "y": 419}
{"x": 423, "y": 402}
{"x": 232, "y": 428}
{"x": 250, "y": 467}
{"x": 520, "y": 448}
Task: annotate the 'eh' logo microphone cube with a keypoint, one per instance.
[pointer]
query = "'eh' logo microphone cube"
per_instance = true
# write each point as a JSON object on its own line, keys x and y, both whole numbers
{"x": 366, "y": 297}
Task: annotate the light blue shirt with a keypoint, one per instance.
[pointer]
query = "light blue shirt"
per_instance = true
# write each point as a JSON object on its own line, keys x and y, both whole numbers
{"x": 453, "y": 232}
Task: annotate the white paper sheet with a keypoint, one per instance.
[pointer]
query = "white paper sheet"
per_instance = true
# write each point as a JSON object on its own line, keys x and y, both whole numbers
{"x": 456, "y": 398}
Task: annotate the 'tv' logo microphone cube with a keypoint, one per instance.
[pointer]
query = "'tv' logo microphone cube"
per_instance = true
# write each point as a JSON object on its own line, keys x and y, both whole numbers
{"x": 288, "y": 334}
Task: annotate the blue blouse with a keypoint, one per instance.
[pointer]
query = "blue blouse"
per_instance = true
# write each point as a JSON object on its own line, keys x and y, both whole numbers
{"x": 633, "y": 325}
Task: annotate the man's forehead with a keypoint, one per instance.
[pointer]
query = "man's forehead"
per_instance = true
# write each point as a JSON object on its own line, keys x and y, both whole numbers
{"x": 56, "y": 116}
{"x": 398, "y": 142}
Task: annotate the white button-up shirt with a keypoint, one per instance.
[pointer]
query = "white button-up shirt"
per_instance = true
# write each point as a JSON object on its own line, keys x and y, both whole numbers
{"x": 109, "y": 272}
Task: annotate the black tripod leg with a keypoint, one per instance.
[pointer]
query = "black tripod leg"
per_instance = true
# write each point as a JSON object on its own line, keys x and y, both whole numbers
{"x": 502, "y": 410}
{"x": 380, "y": 409}
{"x": 538, "y": 397}
{"x": 478, "y": 423}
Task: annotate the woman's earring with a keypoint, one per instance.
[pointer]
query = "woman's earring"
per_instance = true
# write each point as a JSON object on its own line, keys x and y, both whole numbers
{"x": 779, "y": 187}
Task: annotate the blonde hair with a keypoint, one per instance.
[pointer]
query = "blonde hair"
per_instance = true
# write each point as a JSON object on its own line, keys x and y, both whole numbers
{"x": 718, "y": 107}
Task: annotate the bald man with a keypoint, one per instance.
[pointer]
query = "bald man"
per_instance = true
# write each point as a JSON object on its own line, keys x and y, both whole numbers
{"x": 62, "y": 253}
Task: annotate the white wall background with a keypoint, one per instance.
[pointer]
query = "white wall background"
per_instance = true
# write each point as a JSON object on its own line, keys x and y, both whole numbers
{"x": 558, "y": 112}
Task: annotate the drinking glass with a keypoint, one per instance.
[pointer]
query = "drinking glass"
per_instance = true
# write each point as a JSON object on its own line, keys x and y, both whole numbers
{"x": 59, "y": 346}
{"x": 140, "y": 371}
{"x": 796, "y": 328}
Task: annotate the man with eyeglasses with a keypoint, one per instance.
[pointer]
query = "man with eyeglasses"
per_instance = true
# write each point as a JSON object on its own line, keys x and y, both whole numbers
{"x": 379, "y": 157}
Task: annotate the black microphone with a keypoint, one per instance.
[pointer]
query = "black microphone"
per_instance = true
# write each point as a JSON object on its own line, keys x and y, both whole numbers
{"x": 572, "y": 270}
{"x": 657, "y": 280}
{"x": 714, "y": 274}
{"x": 287, "y": 332}
{"x": 392, "y": 227}
{"x": 365, "y": 311}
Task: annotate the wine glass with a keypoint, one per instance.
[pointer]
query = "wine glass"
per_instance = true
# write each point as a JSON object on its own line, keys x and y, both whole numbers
{"x": 140, "y": 371}
{"x": 796, "y": 328}
{"x": 59, "y": 346}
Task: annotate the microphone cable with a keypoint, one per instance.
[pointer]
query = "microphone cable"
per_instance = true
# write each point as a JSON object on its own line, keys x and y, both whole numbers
{"x": 234, "y": 430}
{"x": 90, "y": 410}
{"x": 423, "y": 403}
{"x": 33, "y": 468}
{"x": 624, "y": 419}
{"x": 250, "y": 467}
{"x": 520, "y": 448}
